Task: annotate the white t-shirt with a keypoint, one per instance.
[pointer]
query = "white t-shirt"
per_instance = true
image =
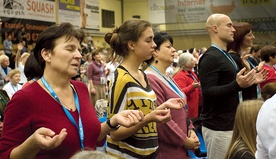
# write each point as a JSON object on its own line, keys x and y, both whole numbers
{"x": 111, "y": 67}
{"x": 266, "y": 130}
{"x": 23, "y": 78}
{"x": 11, "y": 89}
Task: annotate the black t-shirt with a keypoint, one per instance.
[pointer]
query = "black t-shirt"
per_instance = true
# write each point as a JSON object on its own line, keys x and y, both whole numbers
{"x": 217, "y": 75}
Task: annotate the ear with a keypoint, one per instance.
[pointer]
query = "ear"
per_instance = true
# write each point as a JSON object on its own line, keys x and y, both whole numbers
{"x": 46, "y": 55}
{"x": 155, "y": 53}
{"x": 131, "y": 45}
{"x": 215, "y": 28}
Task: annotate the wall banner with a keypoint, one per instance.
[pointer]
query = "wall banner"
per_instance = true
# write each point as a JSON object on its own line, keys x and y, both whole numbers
{"x": 193, "y": 11}
{"x": 90, "y": 14}
{"x": 69, "y": 11}
{"x": 34, "y": 15}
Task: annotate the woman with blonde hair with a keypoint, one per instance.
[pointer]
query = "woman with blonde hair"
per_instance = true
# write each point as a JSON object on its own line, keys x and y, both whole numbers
{"x": 243, "y": 143}
{"x": 91, "y": 154}
{"x": 13, "y": 85}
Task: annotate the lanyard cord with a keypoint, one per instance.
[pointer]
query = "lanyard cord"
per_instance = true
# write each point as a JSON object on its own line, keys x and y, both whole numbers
{"x": 235, "y": 65}
{"x": 15, "y": 89}
{"x": 178, "y": 91}
{"x": 68, "y": 114}
{"x": 250, "y": 63}
{"x": 228, "y": 57}
{"x": 171, "y": 83}
{"x": 193, "y": 77}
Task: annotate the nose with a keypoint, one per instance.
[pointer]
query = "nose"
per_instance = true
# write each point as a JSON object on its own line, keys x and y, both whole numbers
{"x": 77, "y": 54}
{"x": 153, "y": 44}
{"x": 173, "y": 49}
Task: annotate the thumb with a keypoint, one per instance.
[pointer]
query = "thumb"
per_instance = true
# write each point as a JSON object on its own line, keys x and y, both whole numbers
{"x": 241, "y": 71}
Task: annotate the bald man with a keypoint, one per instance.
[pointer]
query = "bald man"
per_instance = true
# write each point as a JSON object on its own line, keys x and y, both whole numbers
{"x": 221, "y": 83}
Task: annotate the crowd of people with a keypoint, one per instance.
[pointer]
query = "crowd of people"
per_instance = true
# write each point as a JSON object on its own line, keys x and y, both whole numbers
{"x": 153, "y": 91}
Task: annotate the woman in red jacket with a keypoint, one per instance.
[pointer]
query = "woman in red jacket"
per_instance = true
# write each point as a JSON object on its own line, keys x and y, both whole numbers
{"x": 188, "y": 81}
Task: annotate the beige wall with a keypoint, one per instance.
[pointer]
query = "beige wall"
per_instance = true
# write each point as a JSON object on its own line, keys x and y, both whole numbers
{"x": 112, "y": 5}
{"x": 189, "y": 41}
{"x": 135, "y": 7}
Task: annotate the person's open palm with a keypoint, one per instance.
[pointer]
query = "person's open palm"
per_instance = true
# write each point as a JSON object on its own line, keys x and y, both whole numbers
{"x": 128, "y": 118}
{"x": 47, "y": 139}
{"x": 261, "y": 76}
{"x": 161, "y": 116}
{"x": 175, "y": 103}
{"x": 20, "y": 46}
{"x": 244, "y": 61}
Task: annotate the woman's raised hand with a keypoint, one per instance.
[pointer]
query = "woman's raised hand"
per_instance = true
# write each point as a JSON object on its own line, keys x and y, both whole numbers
{"x": 128, "y": 118}
{"x": 173, "y": 103}
{"x": 47, "y": 139}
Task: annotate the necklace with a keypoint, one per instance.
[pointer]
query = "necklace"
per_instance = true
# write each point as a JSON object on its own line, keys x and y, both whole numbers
{"x": 66, "y": 106}
{"x": 68, "y": 114}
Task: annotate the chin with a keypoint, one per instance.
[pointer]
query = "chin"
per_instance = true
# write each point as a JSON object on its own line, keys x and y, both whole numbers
{"x": 73, "y": 74}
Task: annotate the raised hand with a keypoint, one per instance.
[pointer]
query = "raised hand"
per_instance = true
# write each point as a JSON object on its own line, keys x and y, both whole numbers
{"x": 244, "y": 61}
{"x": 160, "y": 116}
{"x": 196, "y": 84}
{"x": 261, "y": 76}
{"x": 128, "y": 118}
{"x": 247, "y": 80}
{"x": 47, "y": 139}
{"x": 19, "y": 46}
{"x": 260, "y": 66}
{"x": 173, "y": 103}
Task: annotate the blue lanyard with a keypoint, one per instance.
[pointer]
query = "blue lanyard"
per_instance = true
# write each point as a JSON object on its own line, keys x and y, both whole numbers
{"x": 15, "y": 90}
{"x": 171, "y": 83}
{"x": 68, "y": 114}
{"x": 228, "y": 57}
{"x": 250, "y": 63}
{"x": 193, "y": 77}
{"x": 101, "y": 69}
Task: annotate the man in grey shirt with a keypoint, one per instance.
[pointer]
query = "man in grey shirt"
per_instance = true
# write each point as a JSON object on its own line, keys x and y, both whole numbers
{"x": 7, "y": 44}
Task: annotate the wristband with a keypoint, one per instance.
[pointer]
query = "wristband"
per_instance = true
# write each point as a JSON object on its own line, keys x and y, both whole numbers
{"x": 112, "y": 127}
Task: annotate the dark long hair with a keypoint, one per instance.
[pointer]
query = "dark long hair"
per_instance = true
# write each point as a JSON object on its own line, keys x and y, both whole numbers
{"x": 47, "y": 39}
{"x": 242, "y": 28}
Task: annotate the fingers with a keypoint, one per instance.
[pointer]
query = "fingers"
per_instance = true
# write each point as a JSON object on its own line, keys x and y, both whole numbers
{"x": 260, "y": 66}
{"x": 162, "y": 116}
{"x": 139, "y": 115}
{"x": 60, "y": 137}
{"x": 45, "y": 132}
{"x": 241, "y": 72}
{"x": 181, "y": 102}
{"x": 46, "y": 138}
{"x": 128, "y": 118}
{"x": 132, "y": 119}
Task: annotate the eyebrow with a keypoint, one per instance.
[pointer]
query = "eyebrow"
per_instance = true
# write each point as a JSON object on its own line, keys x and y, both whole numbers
{"x": 71, "y": 45}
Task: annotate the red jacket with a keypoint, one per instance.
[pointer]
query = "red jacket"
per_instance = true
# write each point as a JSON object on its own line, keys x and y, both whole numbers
{"x": 185, "y": 81}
